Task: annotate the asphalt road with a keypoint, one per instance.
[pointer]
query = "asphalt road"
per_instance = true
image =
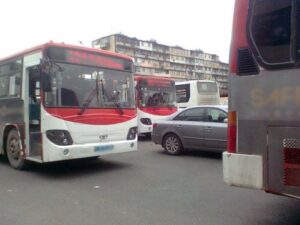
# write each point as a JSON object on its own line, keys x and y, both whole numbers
{"x": 146, "y": 187}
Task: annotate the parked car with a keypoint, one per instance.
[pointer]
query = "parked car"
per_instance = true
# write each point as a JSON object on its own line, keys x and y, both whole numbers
{"x": 199, "y": 127}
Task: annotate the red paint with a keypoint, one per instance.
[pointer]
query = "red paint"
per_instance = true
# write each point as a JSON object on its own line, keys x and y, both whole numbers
{"x": 155, "y": 81}
{"x": 239, "y": 32}
{"x": 93, "y": 116}
{"x": 86, "y": 58}
{"x": 159, "y": 111}
{"x": 66, "y": 46}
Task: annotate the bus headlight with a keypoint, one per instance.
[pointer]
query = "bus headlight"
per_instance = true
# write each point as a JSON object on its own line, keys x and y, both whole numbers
{"x": 59, "y": 137}
{"x": 132, "y": 133}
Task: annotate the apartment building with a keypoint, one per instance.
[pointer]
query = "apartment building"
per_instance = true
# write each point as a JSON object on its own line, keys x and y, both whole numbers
{"x": 173, "y": 61}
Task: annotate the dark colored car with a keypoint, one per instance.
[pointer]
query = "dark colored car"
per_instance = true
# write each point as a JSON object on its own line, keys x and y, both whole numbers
{"x": 199, "y": 127}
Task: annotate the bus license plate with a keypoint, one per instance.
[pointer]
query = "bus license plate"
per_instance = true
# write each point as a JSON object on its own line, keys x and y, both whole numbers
{"x": 103, "y": 148}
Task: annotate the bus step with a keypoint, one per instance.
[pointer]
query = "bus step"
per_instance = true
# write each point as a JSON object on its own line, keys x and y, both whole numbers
{"x": 35, "y": 145}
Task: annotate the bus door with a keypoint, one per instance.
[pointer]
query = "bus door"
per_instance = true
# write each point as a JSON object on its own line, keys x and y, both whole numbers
{"x": 284, "y": 160}
{"x": 34, "y": 112}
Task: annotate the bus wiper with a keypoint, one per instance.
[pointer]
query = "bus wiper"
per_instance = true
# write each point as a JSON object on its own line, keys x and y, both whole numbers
{"x": 113, "y": 98}
{"x": 88, "y": 101}
{"x": 116, "y": 103}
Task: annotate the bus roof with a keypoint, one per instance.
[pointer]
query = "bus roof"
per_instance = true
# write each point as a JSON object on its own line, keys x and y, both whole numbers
{"x": 63, "y": 45}
{"x": 195, "y": 81}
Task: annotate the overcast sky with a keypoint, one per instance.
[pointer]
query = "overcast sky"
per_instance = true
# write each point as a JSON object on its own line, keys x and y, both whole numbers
{"x": 191, "y": 24}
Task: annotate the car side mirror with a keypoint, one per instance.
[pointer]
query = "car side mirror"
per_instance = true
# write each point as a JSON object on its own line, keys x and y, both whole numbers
{"x": 225, "y": 120}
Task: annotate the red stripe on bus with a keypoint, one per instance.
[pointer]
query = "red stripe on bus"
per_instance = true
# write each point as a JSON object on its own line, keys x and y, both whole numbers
{"x": 159, "y": 111}
{"x": 93, "y": 116}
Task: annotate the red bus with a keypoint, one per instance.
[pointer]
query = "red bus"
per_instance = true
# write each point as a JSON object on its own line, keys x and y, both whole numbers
{"x": 156, "y": 99}
{"x": 264, "y": 95}
{"x": 60, "y": 102}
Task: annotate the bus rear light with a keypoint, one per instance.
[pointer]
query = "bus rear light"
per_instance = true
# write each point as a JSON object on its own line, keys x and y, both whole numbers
{"x": 59, "y": 137}
{"x": 232, "y": 130}
{"x": 132, "y": 133}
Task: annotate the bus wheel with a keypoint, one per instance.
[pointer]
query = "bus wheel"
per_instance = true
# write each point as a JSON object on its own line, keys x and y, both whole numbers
{"x": 13, "y": 151}
{"x": 172, "y": 144}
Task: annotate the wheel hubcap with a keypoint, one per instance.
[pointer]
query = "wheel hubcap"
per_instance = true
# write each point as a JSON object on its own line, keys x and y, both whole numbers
{"x": 172, "y": 144}
{"x": 14, "y": 150}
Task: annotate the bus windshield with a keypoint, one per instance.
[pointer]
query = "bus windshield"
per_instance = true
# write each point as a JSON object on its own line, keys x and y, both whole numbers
{"x": 89, "y": 87}
{"x": 157, "y": 95}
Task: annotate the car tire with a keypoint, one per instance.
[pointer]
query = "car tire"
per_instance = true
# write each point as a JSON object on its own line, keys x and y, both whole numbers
{"x": 13, "y": 151}
{"x": 172, "y": 144}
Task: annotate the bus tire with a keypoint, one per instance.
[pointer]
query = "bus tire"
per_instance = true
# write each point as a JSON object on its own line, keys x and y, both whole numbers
{"x": 172, "y": 144}
{"x": 13, "y": 151}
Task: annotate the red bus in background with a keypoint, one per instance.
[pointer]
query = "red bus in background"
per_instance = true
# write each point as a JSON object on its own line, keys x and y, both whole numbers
{"x": 264, "y": 87}
{"x": 60, "y": 102}
{"x": 156, "y": 99}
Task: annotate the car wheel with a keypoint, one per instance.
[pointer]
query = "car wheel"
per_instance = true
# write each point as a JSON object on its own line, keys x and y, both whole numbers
{"x": 13, "y": 151}
{"x": 172, "y": 144}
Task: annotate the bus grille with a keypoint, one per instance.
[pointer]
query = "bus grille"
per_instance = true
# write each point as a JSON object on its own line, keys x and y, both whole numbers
{"x": 291, "y": 162}
{"x": 246, "y": 63}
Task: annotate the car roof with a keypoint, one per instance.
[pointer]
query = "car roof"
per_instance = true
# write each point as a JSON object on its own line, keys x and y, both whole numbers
{"x": 223, "y": 107}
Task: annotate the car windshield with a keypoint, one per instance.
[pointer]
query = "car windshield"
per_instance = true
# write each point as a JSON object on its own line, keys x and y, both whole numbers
{"x": 157, "y": 94}
{"x": 89, "y": 87}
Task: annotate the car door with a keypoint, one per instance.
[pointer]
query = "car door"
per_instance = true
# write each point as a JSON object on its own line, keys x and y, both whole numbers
{"x": 215, "y": 131}
{"x": 190, "y": 127}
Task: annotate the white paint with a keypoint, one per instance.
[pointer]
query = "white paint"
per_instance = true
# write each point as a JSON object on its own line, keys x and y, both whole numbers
{"x": 243, "y": 170}
{"x": 142, "y": 128}
{"x": 85, "y": 138}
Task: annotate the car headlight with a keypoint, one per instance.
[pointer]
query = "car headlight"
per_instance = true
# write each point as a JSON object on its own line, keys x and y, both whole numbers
{"x": 59, "y": 137}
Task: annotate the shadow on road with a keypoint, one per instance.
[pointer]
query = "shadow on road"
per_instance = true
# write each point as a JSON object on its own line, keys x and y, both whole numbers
{"x": 196, "y": 153}
{"x": 144, "y": 138}
{"x": 74, "y": 169}
{"x": 287, "y": 213}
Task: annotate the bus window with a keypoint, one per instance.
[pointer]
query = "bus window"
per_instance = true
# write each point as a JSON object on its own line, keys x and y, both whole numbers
{"x": 183, "y": 93}
{"x": 271, "y": 30}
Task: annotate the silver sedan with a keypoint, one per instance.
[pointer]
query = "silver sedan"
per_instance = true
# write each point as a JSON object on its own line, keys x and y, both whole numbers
{"x": 199, "y": 127}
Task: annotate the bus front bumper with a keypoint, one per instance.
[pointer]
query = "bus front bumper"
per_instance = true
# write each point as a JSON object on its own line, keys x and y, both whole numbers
{"x": 53, "y": 152}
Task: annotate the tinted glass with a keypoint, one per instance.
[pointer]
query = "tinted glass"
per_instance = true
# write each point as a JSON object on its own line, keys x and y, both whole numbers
{"x": 216, "y": 115}
{"x": 183, "y": 93}
{"x": 156, "y": 93}
{"x": 195, "y": 114}
{"x": 271, "y": 30}
{"x": 207, "y": 87}
{"x": 74, "y": 86}
{"x": 10, "y": 79}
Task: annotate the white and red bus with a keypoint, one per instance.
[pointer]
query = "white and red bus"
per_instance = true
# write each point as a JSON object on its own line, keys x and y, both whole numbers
{"x": 264, "y": 97}
{"x": 156, "y": 99}
{"x": 60, "y": 102}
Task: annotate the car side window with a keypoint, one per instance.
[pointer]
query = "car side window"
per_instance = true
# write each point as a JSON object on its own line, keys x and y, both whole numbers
{"x": 216, "y": 115}
{"x": 195, "y": 114}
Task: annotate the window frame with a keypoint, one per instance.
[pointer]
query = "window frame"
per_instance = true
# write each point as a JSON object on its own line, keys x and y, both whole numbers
{"x": 177, "y": 117}
{"x": 293, "y": 49}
